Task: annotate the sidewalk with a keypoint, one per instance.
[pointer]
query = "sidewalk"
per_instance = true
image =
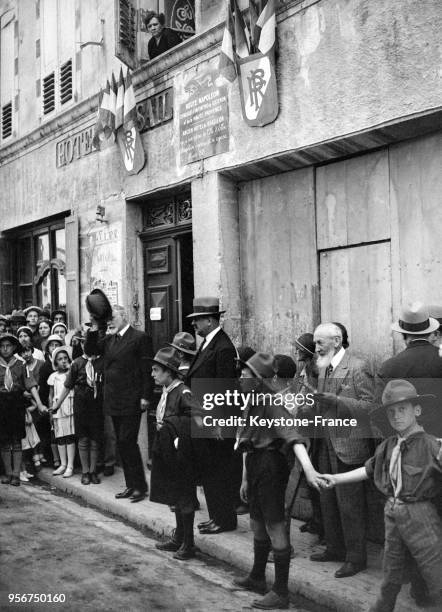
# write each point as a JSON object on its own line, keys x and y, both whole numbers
{"x": 315, "y": 581}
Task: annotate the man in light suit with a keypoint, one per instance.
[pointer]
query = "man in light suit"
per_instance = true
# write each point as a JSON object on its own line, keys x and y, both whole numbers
{"x": 127, "y": 391}
{"x": 214, "y": 360}
{"x": 345, "y": 390}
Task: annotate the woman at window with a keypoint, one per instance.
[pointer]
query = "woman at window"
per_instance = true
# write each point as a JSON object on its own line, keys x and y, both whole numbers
{"x": 163, "y": 38}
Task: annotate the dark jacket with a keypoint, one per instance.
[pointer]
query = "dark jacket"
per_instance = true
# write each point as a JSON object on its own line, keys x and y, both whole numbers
{"x": 421, "y": 365}
{"x": 169, "y": 38}
{"x": 173, "y": 476}
{"x": 216, "y": 361}
{"x": 126, "y": 368}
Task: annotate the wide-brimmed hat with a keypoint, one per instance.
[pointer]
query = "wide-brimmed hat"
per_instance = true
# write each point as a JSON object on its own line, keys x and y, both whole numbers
{"x": 17, "y": 316}
{"x": 98, "y": 305}
{"x": 168, "y": 358}
{"x": 184, "y": 342}
{"x": 305, "y": 343}
{"x": 205, "y": 306}
{"x": 415, "y": 320}
{"x": 59, "y": 311}
{"x": 244, "y": 353}
{"x": 399, "y": 390}
{"x": 261, "y": 364}
{"x": 61, "y": 349}
{"x": 11, "y": 338}
{"x": 36, "y": 309}
{"x": 436, "y": 312}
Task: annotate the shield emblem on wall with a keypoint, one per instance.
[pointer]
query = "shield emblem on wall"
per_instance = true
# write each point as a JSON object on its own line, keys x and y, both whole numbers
{"x": 259, "y": 96}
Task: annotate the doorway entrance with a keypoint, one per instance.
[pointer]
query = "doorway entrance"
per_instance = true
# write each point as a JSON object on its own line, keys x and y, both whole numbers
{"x": 168, "y": 267}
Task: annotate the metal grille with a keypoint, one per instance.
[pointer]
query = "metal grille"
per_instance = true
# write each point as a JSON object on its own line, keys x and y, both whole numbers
{"x": 66, "y": 82}
{"x": 7, "y": 120}
{"x": 49, "y": 93}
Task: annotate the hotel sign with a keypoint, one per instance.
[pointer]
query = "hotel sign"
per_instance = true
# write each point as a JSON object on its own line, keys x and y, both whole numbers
{"x": 74, "y": 147}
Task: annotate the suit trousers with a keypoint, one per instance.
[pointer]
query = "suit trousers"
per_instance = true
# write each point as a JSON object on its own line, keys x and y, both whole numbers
{"x": 344, "y": 510}
{"x": 126, "y": 432}
{"x": 218, "y": 484}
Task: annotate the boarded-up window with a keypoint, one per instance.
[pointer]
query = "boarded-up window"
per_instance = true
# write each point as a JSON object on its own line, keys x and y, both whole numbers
{"x": 126, "y": 32}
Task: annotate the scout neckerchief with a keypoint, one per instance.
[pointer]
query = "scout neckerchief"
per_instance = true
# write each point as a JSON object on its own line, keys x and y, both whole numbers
{"x": 9, "y": 381}
{"x": 395, "y": 468}
{"x": 163, "y": 399}
{"x": 90, "y": 374}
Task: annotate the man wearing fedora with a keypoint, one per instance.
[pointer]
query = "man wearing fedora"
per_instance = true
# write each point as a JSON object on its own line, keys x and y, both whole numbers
{"x": 345, "y": 390}
{"x": 185, "y": 344}
{"x": 214, "y": 360}
{"x": 126, "y": 392}
{"x": 419, "y": 362}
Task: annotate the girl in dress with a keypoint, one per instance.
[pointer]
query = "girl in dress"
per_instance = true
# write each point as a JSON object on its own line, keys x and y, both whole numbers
{"x": 14, "y": 381}
{"x": 63, "y": 415}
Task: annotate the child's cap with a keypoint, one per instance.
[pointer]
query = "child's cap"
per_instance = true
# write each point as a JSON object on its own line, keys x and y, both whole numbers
{"x": 58, "y": 325}
{"x": 58, "y": 350}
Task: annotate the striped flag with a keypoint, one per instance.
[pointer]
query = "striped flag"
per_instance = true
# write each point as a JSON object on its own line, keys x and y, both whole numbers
{"x": 129, "y": 105}
{"x": 119, "y": 110}
{"x": 242, "y": 35}
{"x": 265, "y": 31}
{"x": 104, "y": 127}
{"x": 226, "y": 65}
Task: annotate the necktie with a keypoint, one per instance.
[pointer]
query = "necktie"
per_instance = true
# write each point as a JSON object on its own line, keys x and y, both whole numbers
{"x": 395, "y": 468}
{"x": 328, "y": 371}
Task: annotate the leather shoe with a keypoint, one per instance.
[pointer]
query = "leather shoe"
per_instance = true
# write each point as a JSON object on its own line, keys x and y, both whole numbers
{"x": 350, "y": 569}
{"x": 250, "y": 584}
{"x": 214, "y": 528}
{"x": 169, "y": 545}
{"x": 94, "y": 478}
{"x": 272, "y": 601}
{"x": 184, "y": 553}
{"x": 137, "y": 496}
{"x": 126, "y": 493}
{"x": 205, "y": 523}
{"x": 325, "y": 556}
{"x": 85, "y": 478}
{"x": 108, "y": 470}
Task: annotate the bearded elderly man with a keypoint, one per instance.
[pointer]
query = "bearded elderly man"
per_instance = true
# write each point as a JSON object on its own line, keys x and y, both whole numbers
{"x": 345, "y": 391}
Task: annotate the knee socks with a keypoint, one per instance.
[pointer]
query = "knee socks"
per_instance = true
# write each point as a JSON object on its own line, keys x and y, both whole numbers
{"x": 282, "y": 565}
{"x": 17, "y": 455}
{"x": 7, "y": 459}
{"x": 83, "y": 451}
{"x": 178, "y": 535}
{"x": 261, "y": 549}
{"x": 188, "y": 518}
{"x": 70, "y": 449}
{"x": 95, "y": 449}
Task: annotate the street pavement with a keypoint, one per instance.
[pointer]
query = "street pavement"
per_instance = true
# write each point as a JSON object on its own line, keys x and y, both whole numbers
{"x": 51, "y": 544}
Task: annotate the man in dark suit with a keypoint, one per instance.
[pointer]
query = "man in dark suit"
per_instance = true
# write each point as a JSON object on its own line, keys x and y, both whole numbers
{"x": 127, "y": 391}
{"x": 345, "y": 390}
{"x": 215, "y": 359}
{"x": 419, "y": 362}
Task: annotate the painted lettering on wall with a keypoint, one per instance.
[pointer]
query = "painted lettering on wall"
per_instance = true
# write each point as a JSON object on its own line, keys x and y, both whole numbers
{"x": 74, "y": 147}
{"x": 155, "y": 110}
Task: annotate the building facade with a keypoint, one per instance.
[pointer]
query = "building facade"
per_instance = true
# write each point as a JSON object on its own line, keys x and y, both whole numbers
{"x": 330, "y": 212}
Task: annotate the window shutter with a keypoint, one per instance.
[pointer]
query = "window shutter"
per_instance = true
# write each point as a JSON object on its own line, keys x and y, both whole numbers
{"x": 72, "y": 271}
{"x": 126, "y": 26}
{"x": 49, "y": 93}
{"x": 6, "y": 275}
{"x": 66, "y": 82}
{"x": 6, "y": 120}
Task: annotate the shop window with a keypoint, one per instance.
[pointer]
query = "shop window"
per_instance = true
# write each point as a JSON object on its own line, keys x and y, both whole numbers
{"x": 41, "y": 262}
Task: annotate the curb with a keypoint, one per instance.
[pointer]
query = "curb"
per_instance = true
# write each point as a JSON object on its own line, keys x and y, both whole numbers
{"x": 313, "y": 581}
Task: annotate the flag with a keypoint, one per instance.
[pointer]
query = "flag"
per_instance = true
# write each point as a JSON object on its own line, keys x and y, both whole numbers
{"x": 265, "y": 31}
{"x": 99, "y": 127}
{"x": 226, "y": 65}
{"x": 113, "y": 99}
{"x": 242, "y": 36}
{"x": 129, "y": 138}
{"x": 119, "y": 109}
{"x": 104, "y": 127}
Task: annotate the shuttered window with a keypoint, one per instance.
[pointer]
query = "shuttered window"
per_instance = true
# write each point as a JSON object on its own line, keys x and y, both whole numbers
{"x": 126, "y": 32}
{"x": 66, "y": 82}
{"x": 49, "y": 93}
{"x": 7, "y": 120}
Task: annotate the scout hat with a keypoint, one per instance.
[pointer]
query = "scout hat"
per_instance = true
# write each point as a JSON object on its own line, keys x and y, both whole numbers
{"x": 305, "y": 343}
{"x": 205, "y": 306}
{"x": 168, "y": 358}
{"x": 36, "y": 309}
{"x": 11, "y": 338}
{"x": 244, "y": 353}
{"x": 397, "y": 391}
{"x": 184, "y": 342}
{"x": 261, "y": 365}
{"x": 415, "y": 320}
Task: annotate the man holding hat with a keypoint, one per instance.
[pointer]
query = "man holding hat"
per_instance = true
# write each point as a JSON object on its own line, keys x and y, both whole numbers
{"x": 407, "y": 469}
{"x": 419, "y": 362}
{"x": 215, "y": 360}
